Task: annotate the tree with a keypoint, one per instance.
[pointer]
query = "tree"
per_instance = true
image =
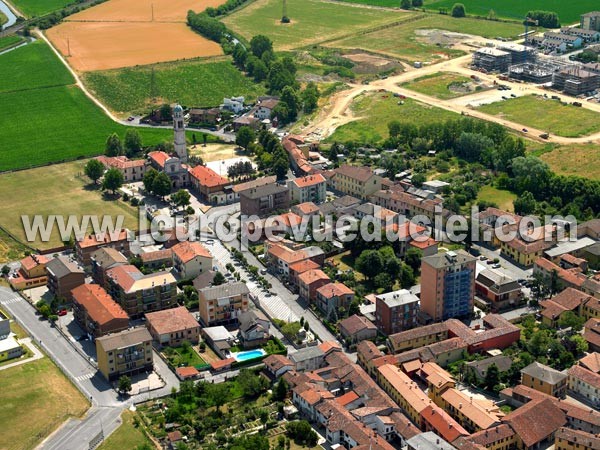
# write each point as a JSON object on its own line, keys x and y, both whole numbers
{"x": 393, "y": 267}
{"x": 524, "y": 204}
{"x": 161, "y": 185}
{"x": 94, "y": 170}
{"x": 394, "y": 128}
{"x": 412, "y": 257}
{"x": 281, "y": 164}
{"x": 244, "y": 137}
{"x": 113, "y": 146}
{"x": 407, "y": 277}
{"x": 148, "y": 180}
{"x": 405, "y": 4}
{"x": 310, "y": 97}
{"x": 260, "y": 44}
{"x": 132, "y": 142}
{"x": 569, "y": 319}
{"x": 124, "y": 384}
{"x": 458, "y": 10}
{"x": 418, "y": 179}
{"x": 417, "y": 3}
{"x": 218, "y": 279}
{"x": 369, "y": 263}
{"x": 579, "y": 344}
{"x": 252, "y": 384}
{"x": 383, "y": 281}
{"x": 290, "y": 330}
{"x": 289, "y": 97}
{"x": 281, "y": 390}
{"x": 492, "y": 377}
{"x": 5, "y": 270}
{"x": 165, "y": 113}
{"x": 471, "y": 146}
{"x": 181, "y": 198}
{"x": 113, "y": 180}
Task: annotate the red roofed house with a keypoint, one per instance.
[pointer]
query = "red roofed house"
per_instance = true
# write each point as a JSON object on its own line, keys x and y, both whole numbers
{"x": 591, "y": 333}
{"x": 190, "y": 259}
{"x": 299, "y": 267}
{"x": 356, "y": 329}
{"x": 333, "y": 296}
{"x": 535, "y": 423}
{"x": 306, "y": 209}
{"x": 89, "y": 244}
{"x": 311, "y": 188}
{"x": 207, "y": 182}
{"x": 310, "y": 281}
{"x": 585, "y": 384}
{"x": 96, "y": 312}
{"x": 132, "y": 170}
{"x": 171, "y": 327}
{"x": 31, "y": 274}
{"x": 277, "y": 365}
{"x": 187, "y": 373}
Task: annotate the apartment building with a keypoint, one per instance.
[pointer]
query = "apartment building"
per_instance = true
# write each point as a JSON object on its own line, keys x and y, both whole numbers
{"x": 265, "y": 200}
{"x": 396, "y": 311}
{"x": 90, "y": 243}
{"x": 223, "y": 304}
{"x": 585, "y": 384}
{"x": 63, "y": 275}
{"x": 333, "y": 296}
{"x": 103, "y": 260}
{"x": 359, "y": 182}
{"x": 96, "y": 312}
{"x": 126, "y": 353}
{"x": 544, "y": 379}
{"x": 171, "y": 327}
{"x": 310, "y": 188}
{"x": 190, "y": 259}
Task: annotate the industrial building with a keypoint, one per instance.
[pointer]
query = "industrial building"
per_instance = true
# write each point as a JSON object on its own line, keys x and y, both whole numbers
{"x": 492, "y": 60}
{"x": 576, "y": 81}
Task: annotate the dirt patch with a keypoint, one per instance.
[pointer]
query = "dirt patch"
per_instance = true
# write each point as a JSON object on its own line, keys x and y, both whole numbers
{"x": 369, "y": 64}
{"x": 441, "y": 37}
{"x": 110, "y": 45}
{"x": 143, "y": 10}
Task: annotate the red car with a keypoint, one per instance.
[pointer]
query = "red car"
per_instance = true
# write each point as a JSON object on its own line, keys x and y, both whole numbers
{"x": 62, "y": 312}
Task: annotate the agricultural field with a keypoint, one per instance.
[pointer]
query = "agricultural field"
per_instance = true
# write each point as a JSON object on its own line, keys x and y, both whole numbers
{"x": 578, "y": 159}
{"x": 49, "y": 119}
{"x": 442, "y": 85}
{"x": 111, "y": 45}
{"x": 70, "y": 191}
{"x": 375, "y": 110}
{"x": 10, "y": 41}
{"x": 127, "y": 436}
{"x": 546, "y": 115}
{"x": 312, "y": 21}
{"x": 421, "y": 37}
{"x": 39, "y": 395}
{"x": 137, "y": 89}
{"x": 33, "y": 8}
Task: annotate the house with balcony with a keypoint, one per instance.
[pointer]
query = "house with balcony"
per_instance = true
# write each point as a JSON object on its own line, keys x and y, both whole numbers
{"x": 126, "y": 353}
{"x": 223, "y": 304}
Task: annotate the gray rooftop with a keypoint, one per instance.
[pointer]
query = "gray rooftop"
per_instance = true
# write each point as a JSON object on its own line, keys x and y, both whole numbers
{"x": 428, "y": 441}
{"x": 224, "y": 290}
{"x": 448, "y": 259}
{"x": 306, "y": 353}
{"x": 124, "y": 339}
{"x": 397, "y": 298}
{"x": 265, "y": 190}
{"x": 216, "y": 334}
{"x": 570, "y": 246}
{"x": 502, "y": 362}
{"x": 544, "y": 373}
{"x": 62, "y": 266}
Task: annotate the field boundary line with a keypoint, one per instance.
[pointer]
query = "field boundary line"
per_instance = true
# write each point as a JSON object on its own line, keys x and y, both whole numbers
{"x": 50, "y": 86}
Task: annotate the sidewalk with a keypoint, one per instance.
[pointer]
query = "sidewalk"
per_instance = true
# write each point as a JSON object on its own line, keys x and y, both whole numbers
{"x": 36, "y": 354}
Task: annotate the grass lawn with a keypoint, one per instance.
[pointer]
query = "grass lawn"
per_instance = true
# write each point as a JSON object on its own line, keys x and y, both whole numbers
{"x": 197, "y": 83}
{"x": 578, "y": 159}
{"x": 293, "y": 445}
{"x": 10, "y": 41}
{"x": 39, "y": 7}
{"x": 36, "y": 399}
{"x": 28, "y": 191}
{"x": 438, "y": 85}
{"x": 312, "y": 21}
{"x": 376, "y": 110}
{"x": 10, "y": 249}
{"x": 547, "y": 115}
{"x": 345, "y": 261}
{"x": 504, "y": 199}
{"x": 402, "y": 41}
{"x": 127, "y": 436}
{"x": 180, "y": 356}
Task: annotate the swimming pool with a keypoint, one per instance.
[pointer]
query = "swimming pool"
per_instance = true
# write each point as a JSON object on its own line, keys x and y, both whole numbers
{"x": 250, "y": 354}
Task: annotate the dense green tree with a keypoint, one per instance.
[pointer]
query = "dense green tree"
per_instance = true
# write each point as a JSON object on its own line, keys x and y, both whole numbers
{"x": 260, "y": 44}
{"x": 281, "y": 390}
{"x": 113, "y": 180}
{"x": 418, "y": 179}
{"x": 569, "y": 319}
{"x": 251, "y": 383}
{"x": 405, "y": 4}
{"x": 93, "y": 170}
{"x": 525, "y": 204}
{"x": 546, "y": 19}
{"x": 369, "y": 263}
{"x": 148, "y": 180}
{"x": 132, "y": 142}
{"x": 412, "y": 257}
{"x": 492, "y": 377}
{"x": 459, "y": 10}
{"x": 417, "y": 3}
{"x": 124, "y": 384}
{"x": 218, "y": 279}
{"x": 407, "y": 276}
{"x": 113, "y": 146}
{"x": 310, "y": 97}
{"x": 244, "y": 137}
{"x": 161, "y": 185}
{"x": 181, "y": 198}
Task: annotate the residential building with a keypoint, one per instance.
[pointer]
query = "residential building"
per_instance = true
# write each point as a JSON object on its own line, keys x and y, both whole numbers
{"x": 357, "y": 181}
{"x": 254, "y": 329}
{"x": 575, "y": 80}
{"x": 428, "y": 441}
{"x": 139, "y": 294}
{"x": 63, "y": 276}
{"x": 407, "y": 204}
{"x": 591, "y": 333}
{"x": 500, "y": 437}
{"x": 190, "y": 259}
{"x": 309, "y": 282}
{"x": 128, "y": 352}
{"x": 568, "y": 299}
{"x": 220, "y": 340}
{"x": 88, "y": 245}
{"x": 492, "y": 60}
{"x": 585, "y": 384}
{"x": 590, "y": 21}
{"x": 544, "y": 379}
{"x": 32, "y": 273}
{"x": 264, "y": 109}
{"x": 277, "y": 365}
{"x": 498, "y": 291}
{"x": 172, "y": 327}
{"x": 223, "y": 304}
{"x": 523, "y": 252}
{"x": 233, "y": 104}
{"x": 10, "y": 348}
{"x": 246, "y": 121}
{"x": 96, "y": 312}
{"x": 208, "y": 116}
{"x": 590, "y": 362}
{"x": 310, "y": 188}
{"x": 355, "y": 329}
{"x": 104, "y": 259}
{"x": 4, "y": 326}
{"x": 417, "y": 338}
{"x": 132, "y": 169}
{"x": 473, "y": 414}
{"x": 157, "y": 259}
{"x": 333, "y": 296}
{"x": 297, "y": 268}
{"x": 569, "y": 439}
{"x": 308, "y": 358}
{"x": 207, "y": 182}
{"x": 479, "y": 367}
{"x": 396, "y": 311}
{"x": 308, "y": 209}
{"x": 264, "y": 200}
{"x": 448, "y": 285}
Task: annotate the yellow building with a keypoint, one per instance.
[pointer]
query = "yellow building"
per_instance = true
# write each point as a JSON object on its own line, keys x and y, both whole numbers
{"x": 473, "y": 414}
{"x": 438, "y": 380}
{"x": 569, "y": 439}
{"x": 417, "y": 338}
{"x": 544, "y": 379}
{"x": 357, "y": 181}
{"x": 223, "y": 304}
{"x": 405, "y": 392}
{"x": 500, "y": 437}
{"x": 125, "y": 353}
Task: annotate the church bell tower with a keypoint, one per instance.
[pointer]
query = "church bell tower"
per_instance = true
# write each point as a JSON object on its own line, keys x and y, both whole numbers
{"x": 179, "y": 143}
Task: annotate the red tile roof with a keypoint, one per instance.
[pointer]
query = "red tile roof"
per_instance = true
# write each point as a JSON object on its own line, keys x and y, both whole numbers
{"x": 216, "y": 365}
{"x": 336, "y": 289}
{"x": 207, "y": 177}
{"x": 591, "y": 362}
{"x": 311, "y": 276}
{"x": 187, "y": 372}
{"x": 99, "y": 305}
{"x": 303, "y": 266}
{"x": 32, "y": 261}
{"x": 97, "y": 240}
{"x": 159, "y": 157}
{"x": 585, "y": 375}
{"x": 536, "y": 421}
{"x": 309, "y": 180}
{"x": 172, "y": 320}
{"x": 355, "y": 324}
{"x": 361, "y": 174}
{"x": 306, "y": 208}
{"x": 443, "y": 423}
{"x": 188, "y": 250}
{"x": 348, "y": 397}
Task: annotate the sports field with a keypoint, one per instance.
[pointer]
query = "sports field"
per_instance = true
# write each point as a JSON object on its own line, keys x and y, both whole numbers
{"x": 375, "y": 110}
{"x": 48, "y": 119}
{"x": 312, "y": 21}
{"x": 27, "y": 192}
{"x": 546, "y": 115}
{"x": 192, "y": 83}
{"x": 418, "y": 37}
{"x": 36, "y": 399}
{"x": 110, "y": 45}
{"x": 143, "y": 10}
{"x": 39, "y": 7}
{"x": 442, "y": 85}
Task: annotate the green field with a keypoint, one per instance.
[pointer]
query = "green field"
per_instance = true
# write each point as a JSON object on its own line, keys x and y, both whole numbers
{"x": 45, "y": 117}
{"x": 9, "y": 41}
{"x": 504, "y": 199}
{"x": 438, "y": 85}
{"x": 312, "y": 21}
{"x": 402, "y": 41}
{"x": 191, "y": 83}
{"x": 376, "y": 110}
{"x": 28, "y": 192}
{"x": 127, "y": 436}
{"x": 546, "y": 115}
{"x": 36, "y": 399}
{"x": 39, "y": 7}
{"x": 577, "y": 159}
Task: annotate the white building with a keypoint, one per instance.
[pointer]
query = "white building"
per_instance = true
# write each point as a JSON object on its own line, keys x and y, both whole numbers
{"x": 233, "y": 104}
{"x": 586, "y": 384}
{"x": 311, "y": 188}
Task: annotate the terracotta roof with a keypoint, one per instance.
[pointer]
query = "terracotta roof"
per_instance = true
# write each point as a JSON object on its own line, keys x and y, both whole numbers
{"x": 570, "y": 298}
{"x": 427, "y": 330}
{"x": 481, "y": 415}
{"x": 306, "y": 208}
{"x": 311, "y": 276}
{"x": 97, "y": 240}
{"x": 188, "y": 250}
{"x": 269, "y": 103}
{"x": 171, "y": 320}
{"x": 99, "y": 305}
{"x": 120, "y": 162}
{"x": 335, "y": 289}
{"x": 579, "y": 438}
{"x": 361, "y": 174}
{"x": 187, "y": 372}
{"x": 591, "y": 362}
{"x": 368, "y": 350}
{"x": 285, "y": 254}
{"x": 32, "y": 261}
{"x": 221, "y": 364}
{"x": 130, "y": 279}
{"x": 303, "y": 266}
{"x": 551, "y": 310}
{"x": 442, "y": 423}
{"x": 157, "y": 255}
{"x": 309, "y": 180}
{"x": 159, "y": 157}
{"x": 123, "y": 339}
{"x": 412, "y": 366}
{"x": 327, "y": 346}
{"x": 174, "y": 436}
{"x": 207, "y": 177}
{"x": 429, "y": 242}
{"x": 404, "y": 427}
{"x": 290, "y": 219}
{"x": 356, "y": 323}
{"x": 276, "y": 362}
{"x": 489, "y": 437}
{"x": 574, "y": 278}
{"x": 348, "y": 397}
{"x": 407, "y": 388}
{"x": 254, "y": 183}
{"x": 536, "y": 421}
{"x": 586, "y": 376}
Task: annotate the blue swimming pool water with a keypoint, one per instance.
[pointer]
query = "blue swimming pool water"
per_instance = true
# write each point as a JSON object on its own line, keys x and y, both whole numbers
{"x": 250, "y": 354}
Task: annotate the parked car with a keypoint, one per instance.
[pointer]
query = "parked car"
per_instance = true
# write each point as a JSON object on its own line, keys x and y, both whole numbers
{"x": 489, "y": 261}
{"x": 524, "y": 130}
{"x": 62, "y": 312}
{"x": 496, "y": 266}
{"x": 482, "y": 258}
